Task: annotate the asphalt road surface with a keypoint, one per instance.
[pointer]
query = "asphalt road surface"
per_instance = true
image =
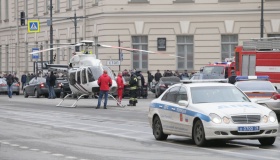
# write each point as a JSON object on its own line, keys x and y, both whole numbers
{"x": 35, "y": 129}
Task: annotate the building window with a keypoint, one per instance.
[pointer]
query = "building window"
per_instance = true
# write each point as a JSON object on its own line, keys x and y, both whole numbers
{"x": 138, "y": 1}
{"x": 46, "y": 3}
{"x": 95, "y": 2}
{"x": 274, "y": 35}
{"x": 7, "y": 10}
{"x": 140, "y": 59}
{"x": 35, "y": 7}
{"x": 185, "y": 52}
{"x": 228, "y": 46}
{"x": 26, "y": 8}
{"x": 57, "y": 5}
{"x": 69, "y": 4}
{"x": 81, "y": 3}
{"x": 57, "y": 53}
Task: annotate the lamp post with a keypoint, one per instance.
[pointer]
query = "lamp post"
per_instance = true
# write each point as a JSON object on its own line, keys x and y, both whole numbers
{"x": 51, "y": 34}
{"x": 41, "y": 56}
{"x": 262, "y": 25}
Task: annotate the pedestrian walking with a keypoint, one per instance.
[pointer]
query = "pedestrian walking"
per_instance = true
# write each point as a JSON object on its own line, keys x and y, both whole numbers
{"x": 133, "y": 83}
{"x": 10, "y": 80}
{"x": 23, "y": 80}
{"x": 120, "y": 88}
{"x": 52, "y": 84}
{"x": 105, "y": 82}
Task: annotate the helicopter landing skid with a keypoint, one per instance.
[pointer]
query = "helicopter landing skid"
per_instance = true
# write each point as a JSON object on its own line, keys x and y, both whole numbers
{"x": 119, "y": 104}
{"x": 74, "y": 104}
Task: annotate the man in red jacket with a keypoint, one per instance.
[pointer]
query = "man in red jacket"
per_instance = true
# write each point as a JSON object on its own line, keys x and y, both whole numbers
{"x": 120, "y": 87}
{"x": 105, "y": 82}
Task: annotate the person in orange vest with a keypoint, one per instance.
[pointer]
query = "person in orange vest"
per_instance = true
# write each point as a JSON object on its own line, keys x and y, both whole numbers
{"x": 120, "y": 87}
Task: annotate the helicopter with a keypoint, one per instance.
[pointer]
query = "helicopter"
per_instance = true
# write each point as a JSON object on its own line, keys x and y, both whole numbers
{"x": 84, "y": 70}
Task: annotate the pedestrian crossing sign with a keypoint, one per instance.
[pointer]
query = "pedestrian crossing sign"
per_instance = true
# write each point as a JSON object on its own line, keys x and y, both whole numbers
{"x": 33, "y": 26}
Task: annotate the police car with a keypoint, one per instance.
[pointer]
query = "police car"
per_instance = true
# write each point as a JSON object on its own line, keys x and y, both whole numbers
{"x": 207, "y": 111}
{"x": 260, "y": 90}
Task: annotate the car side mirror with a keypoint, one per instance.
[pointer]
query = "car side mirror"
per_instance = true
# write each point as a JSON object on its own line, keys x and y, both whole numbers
{"x": 183, "y": 103}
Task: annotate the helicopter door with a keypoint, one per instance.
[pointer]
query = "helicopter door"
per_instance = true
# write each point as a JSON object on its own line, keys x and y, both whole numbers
{"x": 84, "y": 76}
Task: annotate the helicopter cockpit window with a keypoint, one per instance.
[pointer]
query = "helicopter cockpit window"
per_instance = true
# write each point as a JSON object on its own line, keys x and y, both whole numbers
{"x": 72, "y": 79}
{"x": 109, "y": 72}
{"x": 94, "y": 73}
{"x": 84, "y": 76}
{"x": 79, "y": 77}
{"x": 90, "y": 75}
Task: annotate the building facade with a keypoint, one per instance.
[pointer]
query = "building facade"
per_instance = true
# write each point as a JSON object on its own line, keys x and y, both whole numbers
{"x": 187, "y": 33}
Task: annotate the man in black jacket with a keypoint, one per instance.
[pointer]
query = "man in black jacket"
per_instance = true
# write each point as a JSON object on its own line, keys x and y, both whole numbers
{"x": 10, "y": 80}
{"x": 52, "y": 84}
{"x": 231, "y": 79}
{"x": 157, "y": 76}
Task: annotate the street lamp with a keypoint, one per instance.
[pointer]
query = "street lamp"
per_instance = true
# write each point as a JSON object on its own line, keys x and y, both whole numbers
{"x": 262, "y": 25}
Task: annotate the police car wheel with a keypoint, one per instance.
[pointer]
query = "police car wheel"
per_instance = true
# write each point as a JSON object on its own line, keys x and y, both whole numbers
{"x": 267, "y": 141}
{"x": 157, "y": 129}
{"x": 199, "y": 134}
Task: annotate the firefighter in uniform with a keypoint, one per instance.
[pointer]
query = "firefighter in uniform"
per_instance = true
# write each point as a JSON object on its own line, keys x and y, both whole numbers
{"x": 133, "y": 83}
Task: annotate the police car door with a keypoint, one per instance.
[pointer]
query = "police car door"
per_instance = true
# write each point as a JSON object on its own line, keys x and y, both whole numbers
{"x": 170, "y": 107}
{"x": 180, "y": 118}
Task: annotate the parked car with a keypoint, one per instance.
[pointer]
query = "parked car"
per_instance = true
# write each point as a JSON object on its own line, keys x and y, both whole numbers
{"x": 65, "y": 88}
{"x": 260, "y": 90}
{"x": 37, "y": 87}
{"x": 3, "y": 87}
{"x": 164, "y": 83}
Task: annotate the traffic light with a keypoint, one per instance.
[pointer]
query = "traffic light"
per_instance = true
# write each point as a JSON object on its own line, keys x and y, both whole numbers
{"x": 22, "y": 18}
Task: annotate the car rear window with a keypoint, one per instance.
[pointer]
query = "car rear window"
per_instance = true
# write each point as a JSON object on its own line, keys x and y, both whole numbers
{"x": 255, "y": 86}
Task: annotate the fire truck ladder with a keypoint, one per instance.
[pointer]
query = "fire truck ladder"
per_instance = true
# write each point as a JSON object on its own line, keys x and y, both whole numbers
{"x": 263, "y": 44}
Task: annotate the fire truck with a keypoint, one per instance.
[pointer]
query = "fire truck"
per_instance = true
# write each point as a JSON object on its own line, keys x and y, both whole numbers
{"x": 221, "y": 69}
{"x": 259, "y": 57}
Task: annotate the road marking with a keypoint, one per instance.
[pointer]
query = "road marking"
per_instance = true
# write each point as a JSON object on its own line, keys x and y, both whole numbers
{"x": 23, "y": 147}
{"x": 7, "y": 143}
{"x": 58, "y": 155}
{"x": 70, "y": 157}
{"x": 46, "y": 152}
{"x": 14, "y": 145}
{"x": 34, "y": 149}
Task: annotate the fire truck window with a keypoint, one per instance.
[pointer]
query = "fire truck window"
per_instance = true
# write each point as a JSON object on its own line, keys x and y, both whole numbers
{"x": 84, "y": 77}
{"x": 79, "y": 77}
{"x": 72, "y": 79}
{"x": 226, "y": 72}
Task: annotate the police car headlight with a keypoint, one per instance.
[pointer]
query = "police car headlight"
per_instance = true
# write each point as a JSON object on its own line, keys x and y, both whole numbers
{"x": 226, "y": 120}
{"x": 265, "y": 119}
{"x": 272, "y": 117}
{"x": 215, "y": 118}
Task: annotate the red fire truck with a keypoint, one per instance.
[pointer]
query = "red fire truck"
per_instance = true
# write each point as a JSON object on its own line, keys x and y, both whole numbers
{"x": 259, "y": 57}
{"x": 220, "y": 68}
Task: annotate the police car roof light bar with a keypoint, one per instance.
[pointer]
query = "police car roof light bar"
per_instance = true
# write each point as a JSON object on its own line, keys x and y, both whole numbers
{"x": 205, "y": 81}
{"x": 247, "y": 78}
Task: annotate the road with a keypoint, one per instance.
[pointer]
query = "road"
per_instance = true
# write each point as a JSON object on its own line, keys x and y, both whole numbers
{"x": 32, "y": 129}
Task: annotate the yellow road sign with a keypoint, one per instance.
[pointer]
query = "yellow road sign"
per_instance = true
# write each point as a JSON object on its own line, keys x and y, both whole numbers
{"x": 33, "y": 26}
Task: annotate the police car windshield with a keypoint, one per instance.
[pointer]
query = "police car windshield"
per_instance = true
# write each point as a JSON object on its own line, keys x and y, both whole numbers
{"x": 213, "y": 70}
{"x": 215, "y": 94}
{"x": 255, "y": 86}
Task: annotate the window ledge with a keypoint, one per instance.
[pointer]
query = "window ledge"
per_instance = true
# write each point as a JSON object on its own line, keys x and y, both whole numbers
{"x": 56, "y": 11}
{"x": 139, "y": 1}
{"x": 6, "y": 20}
{"x": 68, "y": 9}
{"x": 95, "y": 4}
{"x": 35, "y": 15}
{"x": 81, "y": 7}
{"x": 46, "y": 13}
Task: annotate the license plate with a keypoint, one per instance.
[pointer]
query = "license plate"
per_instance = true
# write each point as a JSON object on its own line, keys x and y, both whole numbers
{"x": 249, "y": 129}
